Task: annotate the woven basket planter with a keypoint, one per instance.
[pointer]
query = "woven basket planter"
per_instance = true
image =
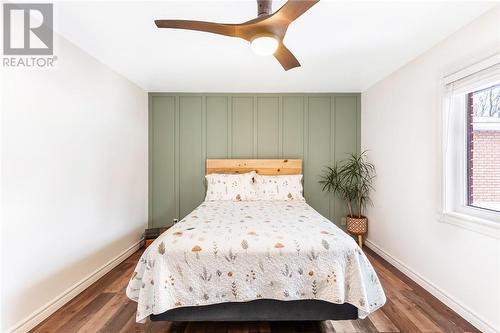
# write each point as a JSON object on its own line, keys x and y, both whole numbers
{"x": 357, "y": 225}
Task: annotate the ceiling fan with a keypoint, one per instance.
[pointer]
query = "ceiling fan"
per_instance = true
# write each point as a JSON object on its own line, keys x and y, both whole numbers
{"x": 265, "y": 33}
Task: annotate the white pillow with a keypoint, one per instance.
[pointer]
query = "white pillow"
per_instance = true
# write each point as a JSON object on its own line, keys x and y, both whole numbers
{"x": 231, "y": 186}
{"x": 287, "y": 187}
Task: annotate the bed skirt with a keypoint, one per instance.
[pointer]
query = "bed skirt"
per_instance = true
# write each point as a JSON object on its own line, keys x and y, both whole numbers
{"x": 262, "y": 310}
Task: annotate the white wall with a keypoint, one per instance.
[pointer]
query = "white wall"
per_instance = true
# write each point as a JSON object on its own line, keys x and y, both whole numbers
{"x": 74, "y": 172}
{"x": 401, "y": 129}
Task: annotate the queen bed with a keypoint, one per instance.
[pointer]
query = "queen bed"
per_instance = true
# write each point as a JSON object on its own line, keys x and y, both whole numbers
{"x": 242, "y": 256}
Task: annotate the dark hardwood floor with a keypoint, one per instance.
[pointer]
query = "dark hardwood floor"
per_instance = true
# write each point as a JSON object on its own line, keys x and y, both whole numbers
{"x": 104, "y": 307}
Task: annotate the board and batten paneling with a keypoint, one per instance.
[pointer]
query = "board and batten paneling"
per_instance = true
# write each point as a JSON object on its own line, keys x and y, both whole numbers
{"x": 186, "y": 129}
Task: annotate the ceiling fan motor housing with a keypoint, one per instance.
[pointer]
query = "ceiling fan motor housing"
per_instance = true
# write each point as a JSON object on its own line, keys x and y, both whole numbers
{"x": 264, "y": 7}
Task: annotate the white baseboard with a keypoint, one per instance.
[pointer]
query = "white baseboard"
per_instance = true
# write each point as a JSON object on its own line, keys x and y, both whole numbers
{"x": 46, "y": 310}
{"x": 456, "y": 306}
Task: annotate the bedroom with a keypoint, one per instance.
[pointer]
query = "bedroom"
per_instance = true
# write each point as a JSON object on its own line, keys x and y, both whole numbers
{"x": 114, "y": 125}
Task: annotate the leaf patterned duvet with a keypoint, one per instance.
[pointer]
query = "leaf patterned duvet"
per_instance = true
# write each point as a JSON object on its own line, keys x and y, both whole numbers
{"x": 226, "y": 251}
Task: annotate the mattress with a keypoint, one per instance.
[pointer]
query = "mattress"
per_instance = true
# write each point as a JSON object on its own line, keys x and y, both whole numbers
{"x": 227, "y": 251}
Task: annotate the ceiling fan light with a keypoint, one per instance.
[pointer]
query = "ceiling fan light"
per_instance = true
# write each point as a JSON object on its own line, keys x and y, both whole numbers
{"x": 264, "y": 46}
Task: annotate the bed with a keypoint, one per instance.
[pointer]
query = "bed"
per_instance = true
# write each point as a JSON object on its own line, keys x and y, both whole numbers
{"x": 254, "y": 260}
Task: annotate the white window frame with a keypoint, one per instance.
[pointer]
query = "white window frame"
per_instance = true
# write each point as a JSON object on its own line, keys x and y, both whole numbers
{"x": 455, "y": 208}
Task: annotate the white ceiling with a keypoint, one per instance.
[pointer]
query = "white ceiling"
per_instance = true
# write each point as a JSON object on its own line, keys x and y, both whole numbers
{"x": 342, "y": 46}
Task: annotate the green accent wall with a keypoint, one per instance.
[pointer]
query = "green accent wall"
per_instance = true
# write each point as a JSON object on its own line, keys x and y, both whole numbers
{"x": 186, "y": 129}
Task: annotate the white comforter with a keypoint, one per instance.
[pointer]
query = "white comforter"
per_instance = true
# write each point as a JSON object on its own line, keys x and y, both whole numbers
{"x": 240, "y": 251}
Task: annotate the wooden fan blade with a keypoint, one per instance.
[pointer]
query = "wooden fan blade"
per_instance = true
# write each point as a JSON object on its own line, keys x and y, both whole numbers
{"x": 291, "y": 10}
{"x": 216, "y": 28}
{"x": 286, "y": 58}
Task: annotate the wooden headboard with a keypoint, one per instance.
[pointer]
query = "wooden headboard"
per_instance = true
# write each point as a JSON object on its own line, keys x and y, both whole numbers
{"x": 262, "y": 167}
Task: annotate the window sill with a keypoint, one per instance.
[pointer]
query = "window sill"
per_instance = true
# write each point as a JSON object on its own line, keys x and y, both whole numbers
{"x": 476, "y": 224}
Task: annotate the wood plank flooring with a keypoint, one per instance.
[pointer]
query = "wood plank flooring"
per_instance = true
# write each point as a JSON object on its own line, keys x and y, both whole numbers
{"x": 104, "y": 307}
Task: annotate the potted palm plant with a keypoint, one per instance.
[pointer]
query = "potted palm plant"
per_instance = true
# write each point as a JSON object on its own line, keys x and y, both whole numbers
{"x": 352, "y": 180}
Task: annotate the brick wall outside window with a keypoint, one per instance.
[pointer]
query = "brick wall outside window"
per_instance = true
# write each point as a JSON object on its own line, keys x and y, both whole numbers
{"x": 485, "y": 180}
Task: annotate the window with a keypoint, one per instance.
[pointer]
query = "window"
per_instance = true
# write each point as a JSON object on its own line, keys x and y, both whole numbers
{"x": 471, "y": 145}
{"x": 483, "y": 148}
